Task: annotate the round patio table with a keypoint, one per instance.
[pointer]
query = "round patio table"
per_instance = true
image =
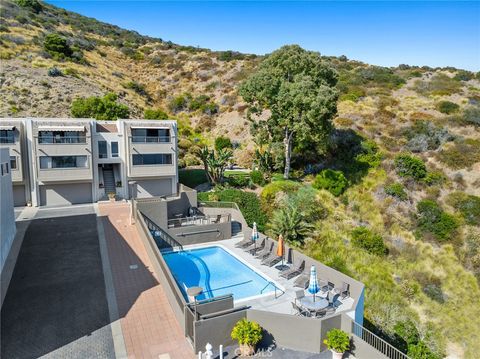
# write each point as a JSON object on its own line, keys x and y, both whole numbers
{"x": 319, "y": 303}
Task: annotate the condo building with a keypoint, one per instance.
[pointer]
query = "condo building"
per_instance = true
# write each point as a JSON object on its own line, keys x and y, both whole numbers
{"x": 65, "y": 161}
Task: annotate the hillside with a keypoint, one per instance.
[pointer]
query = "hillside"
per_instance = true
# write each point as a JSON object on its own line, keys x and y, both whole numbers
{"x": 427, "y": 218}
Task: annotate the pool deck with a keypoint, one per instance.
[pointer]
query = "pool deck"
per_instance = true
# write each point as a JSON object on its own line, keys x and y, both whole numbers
{"x": 279, "y": 302}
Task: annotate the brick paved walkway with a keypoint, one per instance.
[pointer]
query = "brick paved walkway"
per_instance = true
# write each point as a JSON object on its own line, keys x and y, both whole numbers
{"x": 149, "y": 327}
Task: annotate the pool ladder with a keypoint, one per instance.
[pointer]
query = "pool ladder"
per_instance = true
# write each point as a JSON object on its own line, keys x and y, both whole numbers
{"x": 274, "y": 286}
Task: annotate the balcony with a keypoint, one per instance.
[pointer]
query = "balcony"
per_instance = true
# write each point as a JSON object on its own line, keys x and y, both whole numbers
{"x": 62, "y": 139}
{"x": 151, "y": 139}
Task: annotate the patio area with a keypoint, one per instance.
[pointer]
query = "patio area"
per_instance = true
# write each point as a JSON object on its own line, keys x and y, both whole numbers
{"x": 281, "y": 300}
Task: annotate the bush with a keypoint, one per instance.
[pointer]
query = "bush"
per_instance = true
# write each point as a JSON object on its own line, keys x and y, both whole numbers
{"x": 337, "y": 340}
{"x": 447, "y": 107}
{"x": 30, "y": 4}
{"x": 409, "y": 166}
{"x": 248, "y": 203}
{"x": 155, "y": 114}
{"x": 471, "y": 115}
{"x": 424, "y": 135}
{"x": 247, "y": 332}
{"x": 467, "y": 205}
{"x": 54, "y": 72}
{"x": 222, "y": 142}
{"x": 440, "y": 85}
{"x": 178, "y": 103}
{"x": 137, "y": 87}
{"x": 192, "y": 177}
{"x": 101, "y": 108}
{"x": 396, "y": 190}
{"x": 461, "y": 154}
{"x": 373, "y": 243}
{"x": 57, "y": 46}
{"x": 307, "y": 202}
{"x": 434, "y": 178}
{"x": 333, "y": 181}
{"x": 238, "y": 181}
{"x": 421, "y": 351}
{"x": 463, "y": 75}
{"x": 270, "y": 191}
{"x": 257, "y": 178}
{"x": 407, "y": 331}
{"x": 432, "y": 219}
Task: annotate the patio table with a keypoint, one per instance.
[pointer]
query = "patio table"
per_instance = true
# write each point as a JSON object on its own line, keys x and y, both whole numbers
{"x": 319, "y": 303}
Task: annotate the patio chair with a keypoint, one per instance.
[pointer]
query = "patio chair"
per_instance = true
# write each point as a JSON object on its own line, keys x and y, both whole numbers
{"x": 254, "y": 247}
{"x": 302, "y": 281}
{"x": 330, "y": 285}
{"x": 332, "y": 298}
{"x": 265, "y": 252}
{"x": 293, "y": 272}
{"x": 299, "y": 310}
{"x": 244, "y": 243}
{"x": 299, "y": 294}
{"x": 322, "y": 284}
{"x": 271, "y": 260}
{"x": 344, "y": 291}
{"x": 320, "y": 313}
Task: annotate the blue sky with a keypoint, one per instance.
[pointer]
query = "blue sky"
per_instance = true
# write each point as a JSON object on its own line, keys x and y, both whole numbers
{"x": 388, "y": 33}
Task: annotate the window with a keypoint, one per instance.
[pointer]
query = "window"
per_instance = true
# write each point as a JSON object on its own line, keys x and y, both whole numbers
{"x": 4, "y": 169}
{"x": 47, "y": 162}
{"x": 7, "y": 136}
{"x": 13, "y": 162}
{"x": 102, "y": 149}
{"x": 61, "y": 137}
{"x": 152, "y": 159}
{"x": 114, "y": 147}
{"x": 143, "y": 135}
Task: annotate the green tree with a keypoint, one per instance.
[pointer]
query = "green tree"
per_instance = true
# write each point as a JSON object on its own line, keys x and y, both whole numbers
{"x": 155, "y": 114}
{"x": 333, "y": 181}
{"x": 297, "y": 88}
{"x": 57, "y": 45}
{"x": 104, "y": 108}
{"x": 223, "y": 142}
{"x": 289, "y": 222}
{"x": 215, "y": 163}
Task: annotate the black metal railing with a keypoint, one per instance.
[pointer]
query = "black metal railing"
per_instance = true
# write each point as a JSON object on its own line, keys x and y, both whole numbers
{"x": 162, "y": 239}
{"x": 378, "y": 343}
{"x": 62, "y": 139}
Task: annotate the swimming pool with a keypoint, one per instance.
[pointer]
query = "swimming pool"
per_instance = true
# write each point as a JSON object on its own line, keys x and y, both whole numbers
{"x": 218, "y": 272}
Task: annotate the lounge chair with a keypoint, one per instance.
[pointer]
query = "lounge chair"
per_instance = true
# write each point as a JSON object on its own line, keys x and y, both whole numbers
{"x": 271, "y": 260}
{"x": 244, "y": 243}
{"x": 293, "y": 272}
{"x": 344, "y": 291}
{"x": 302, "y": 281}
{"x": 254, "y": 247}
{"x": 265, "y": 252}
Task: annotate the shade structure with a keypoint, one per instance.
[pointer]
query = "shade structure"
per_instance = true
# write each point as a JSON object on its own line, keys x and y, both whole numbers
{"x": 313, "y": 286}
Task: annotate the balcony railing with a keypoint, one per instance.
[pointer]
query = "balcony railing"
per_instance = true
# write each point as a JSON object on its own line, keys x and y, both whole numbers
{"x": 198, "y": 220}
{"x": 378, "y": 343}
{"x": 7, "y": 139}
{"x": 64, "y": 139}
{"x": 151, "y": 139}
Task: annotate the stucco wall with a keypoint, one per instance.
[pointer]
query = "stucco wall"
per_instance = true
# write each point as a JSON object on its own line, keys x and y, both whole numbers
{"x": 7, "y": 215}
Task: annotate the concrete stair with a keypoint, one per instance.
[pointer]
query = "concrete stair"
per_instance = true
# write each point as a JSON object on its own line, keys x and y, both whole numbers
{"x": 109, "y": 181}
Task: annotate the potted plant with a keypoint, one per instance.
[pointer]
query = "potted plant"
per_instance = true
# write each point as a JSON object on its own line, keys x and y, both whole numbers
{"x": 111, "y": 196}
{"x": 248, "y": 334}
{"x": 119, "y": 184}
{"x": 338, "y": 342}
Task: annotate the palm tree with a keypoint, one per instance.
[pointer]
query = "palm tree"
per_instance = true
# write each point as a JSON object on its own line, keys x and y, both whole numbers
{"x": 289, "y": 222}
{"x": 214, "y": 164}
{"x": 204, "y": 154}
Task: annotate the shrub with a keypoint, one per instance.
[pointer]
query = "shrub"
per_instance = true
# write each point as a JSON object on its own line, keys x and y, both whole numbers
{"x": 101, "y": 108}
{"x": 424, "y": 135}
{"x": 57, "y": 46}
{"x": 420, "y": 351}
{"x": 447, "y": 107}
{"x": 257, "y": 178}
{"x": 270, "y": 191}
{"x": 467, "y": 205}
{"x": 307, "y": 202}
{"x": 409, "y": 166}
{"x": 333, "y": 181}
{"x": 440, "y": 85}
{"x": 155, "y": 114}
{"x": 396, "y": 190}
{"x": 354, "y": 94}
{"x": 434, "y": 178}
{"x": 337, "y": 340}
{"x": 137, "y": 87}
{"x": 373, "y": 243}
{"x": 432, "y": 219}
{"x": 463, "y": 75}
{"x": 238, "y": 180}
{"x": 30, "y": 4}
{"x": 248, "y": 203}
{"x": 222, "y": 142}
{"x": 247, "y": 332}
{"x": 192, "y": 178}
{"x": 178, "y": 103}
{"x": 461, "y": 154}
{"x": 407, "y": 331}
{"x": 54, "y": 72}
{"x": 471, "y": 115}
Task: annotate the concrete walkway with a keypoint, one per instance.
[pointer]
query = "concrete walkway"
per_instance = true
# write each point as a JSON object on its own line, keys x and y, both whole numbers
{"x": 148, "y": 324}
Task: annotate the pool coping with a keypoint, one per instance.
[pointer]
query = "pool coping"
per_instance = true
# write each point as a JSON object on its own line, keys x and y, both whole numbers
{"x": 241, "y": 260}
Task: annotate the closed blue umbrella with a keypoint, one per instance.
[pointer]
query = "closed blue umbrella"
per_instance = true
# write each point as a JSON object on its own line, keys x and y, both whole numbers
{"x": 313, "y": 286}
{"x": 255, "y": 235}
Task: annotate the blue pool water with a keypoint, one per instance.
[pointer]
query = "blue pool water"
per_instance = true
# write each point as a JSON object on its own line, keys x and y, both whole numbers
{"x": 217, "y": 272}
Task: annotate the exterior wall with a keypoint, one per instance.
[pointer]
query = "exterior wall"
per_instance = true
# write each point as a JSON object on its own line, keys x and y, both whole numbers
{"x": 7, "y": 215}
{"x": 20, "y": 175}
{"x": 154, "y": 187}
{"x": 19, "y": 195}
{"x": 65, "y": 193}
{"x": 145, "y": 171}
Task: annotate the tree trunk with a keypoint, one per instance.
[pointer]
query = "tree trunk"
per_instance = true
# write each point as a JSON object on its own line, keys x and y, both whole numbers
{"x": 207, "y": 174}
{"x": 287, "y": 142}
